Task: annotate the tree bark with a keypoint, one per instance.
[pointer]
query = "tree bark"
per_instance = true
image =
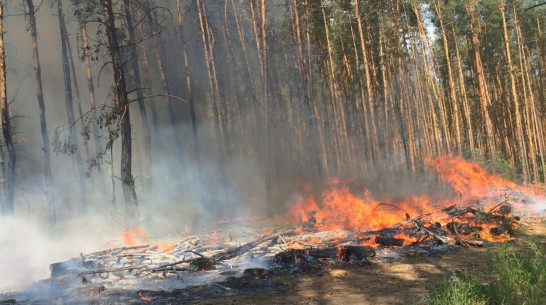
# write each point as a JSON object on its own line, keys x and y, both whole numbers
{"x": 127, "y": 181}
{"x": 89, "y": 75}
{"x": 138, "y": 88}
{"x": 8, "y": 178}
{"x": 41, "y": 106}
{"x": 514, "y": 97}
{"x": 484, "y": 99}
{"x": 196, "y": 151}
{"x": 70, "y": 108}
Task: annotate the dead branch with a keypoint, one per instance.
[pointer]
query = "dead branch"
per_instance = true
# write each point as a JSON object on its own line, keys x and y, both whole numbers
{"x": 443, "y": 239}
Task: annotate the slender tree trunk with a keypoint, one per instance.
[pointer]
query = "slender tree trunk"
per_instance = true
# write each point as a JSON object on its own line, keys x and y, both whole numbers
{"x": 451, "y": 83}
{"x": 146, "y": 67}
{"x": 265, "y": 63}
{"x": 196, "y": 151}
{"x": 89, "y": 75}
{"x": 77, "y": 90}
{"x": 514, "y": 97}
{"x": 41, "y": 106}
{"x": 536, "y": 124}
{"x": 138, "y": 88}
{"x": 8, "y": 185}
{"x": 127, "y": 181}
{"x": 70, "y": 108}
{"x": 463, "y": 94}
{"x": 161, "y": 66}
{"x": 483, "y": 95}
{"x": 368, "y": 83}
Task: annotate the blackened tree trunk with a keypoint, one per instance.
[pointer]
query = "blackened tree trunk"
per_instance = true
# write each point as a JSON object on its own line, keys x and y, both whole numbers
{"x": 70, "y": 108}
{"x": 9, "y": 173}
{"x": 138, "y": 87}
{"x": 41, "y": 106}
{"x": 196, "y": 152}
{"x": 127, "y": 181}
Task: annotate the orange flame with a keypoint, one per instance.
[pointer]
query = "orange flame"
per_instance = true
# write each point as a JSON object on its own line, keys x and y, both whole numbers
{"x": 407, "y": 238}
{"x": 339, "y": 208}
{"x": 133, "y": 236}
{"x": 164, "y": 247}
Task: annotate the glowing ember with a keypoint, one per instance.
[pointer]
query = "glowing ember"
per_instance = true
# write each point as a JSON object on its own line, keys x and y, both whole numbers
{"x": 407, "y": 238}
{"x": 144, "y": 298}
{"x": 213, "y": 235}
{"x": 164, "y": 247}
{"x": 133, "y": 236}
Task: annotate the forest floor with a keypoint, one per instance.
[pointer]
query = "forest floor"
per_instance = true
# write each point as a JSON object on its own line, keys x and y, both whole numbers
{"x": 401, "y": 281}
{"x": 396, "y": 281}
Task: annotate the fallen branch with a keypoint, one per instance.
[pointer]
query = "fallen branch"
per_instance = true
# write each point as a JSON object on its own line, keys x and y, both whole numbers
{"x": 443, "y": 239}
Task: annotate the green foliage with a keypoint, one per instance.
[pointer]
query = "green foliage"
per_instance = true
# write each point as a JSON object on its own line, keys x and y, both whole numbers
{"x": 518, "y": 278}
{"x": 458, "y": 289}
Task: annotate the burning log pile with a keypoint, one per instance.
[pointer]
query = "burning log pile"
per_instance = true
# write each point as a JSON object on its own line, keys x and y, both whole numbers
{"x": 198, "y": 259}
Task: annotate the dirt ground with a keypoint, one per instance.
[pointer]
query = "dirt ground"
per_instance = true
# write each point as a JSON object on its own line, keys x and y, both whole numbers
{"x": 402, "y": 281}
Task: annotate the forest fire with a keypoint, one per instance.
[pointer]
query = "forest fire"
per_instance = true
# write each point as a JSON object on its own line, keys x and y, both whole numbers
{"x": 340, "y": 228}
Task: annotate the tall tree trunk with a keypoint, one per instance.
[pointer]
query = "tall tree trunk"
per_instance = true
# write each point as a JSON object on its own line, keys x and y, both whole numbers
{"x": 196, "y": 151}
{"x": 77, "y": 90}
{"x": 90, "y": 85}
{"x": 161, "y": 66}
{"x": 368, "y": 83}
{"x": 138, "y": 87}
{"x": 8, "y": 185}
{"x": 483, "y": 95}
{"x": 463, "y": 94}
{"x": 265, "y": 63}
{"x": 451, "y": 83}
{"x": 514, "y": 97}
{"x": 41, "y": 106}
{"x": 536, "y": 124}
{"x": 146, "y": 66}
{"x": 70, "y": 108}
{"x": 127, "y": 181}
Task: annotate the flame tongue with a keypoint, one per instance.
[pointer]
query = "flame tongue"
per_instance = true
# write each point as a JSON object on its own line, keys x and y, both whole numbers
{"x": 339, "y": 208}
{"x": 133, "y": 236}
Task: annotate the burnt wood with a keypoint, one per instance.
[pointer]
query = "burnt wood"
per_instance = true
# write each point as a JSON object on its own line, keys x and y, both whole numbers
{"x": 389, "y": 241}
{"x": 355, "y": 253}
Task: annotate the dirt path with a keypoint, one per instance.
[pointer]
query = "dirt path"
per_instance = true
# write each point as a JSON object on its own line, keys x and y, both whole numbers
{"x": 402, "y": 281}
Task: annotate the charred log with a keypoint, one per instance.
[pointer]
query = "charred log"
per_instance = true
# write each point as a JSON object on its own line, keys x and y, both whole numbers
{"x": 389, "y": 241}
{"x": 355, "y": 253}
{"x": 88, "y": 291}
{"x": 255, "y": 272}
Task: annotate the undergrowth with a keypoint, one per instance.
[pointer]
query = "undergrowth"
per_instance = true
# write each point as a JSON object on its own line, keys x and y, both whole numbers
{"x": 518, "y": 277}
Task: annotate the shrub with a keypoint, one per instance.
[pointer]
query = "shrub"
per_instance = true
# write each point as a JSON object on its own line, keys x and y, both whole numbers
{"x": 458, "y": 289}
{"x": 518, "y": 277}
